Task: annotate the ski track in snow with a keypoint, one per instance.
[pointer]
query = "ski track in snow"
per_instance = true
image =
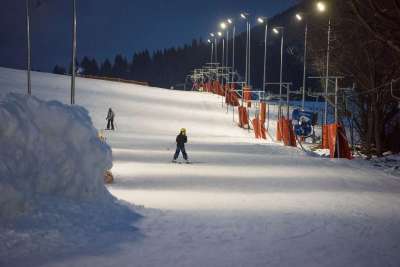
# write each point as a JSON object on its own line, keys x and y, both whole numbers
{"x": 241, "y": 203}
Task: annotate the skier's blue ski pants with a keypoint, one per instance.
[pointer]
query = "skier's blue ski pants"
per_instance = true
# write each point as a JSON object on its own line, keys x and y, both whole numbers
{"x": 178, "y": 150}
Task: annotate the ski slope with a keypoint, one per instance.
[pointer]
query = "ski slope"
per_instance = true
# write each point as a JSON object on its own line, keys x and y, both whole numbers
{"x": 241, "y": 203}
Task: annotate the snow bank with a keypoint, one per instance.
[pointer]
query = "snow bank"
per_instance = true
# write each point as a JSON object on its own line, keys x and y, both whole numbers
{"x": 48, "y": 148}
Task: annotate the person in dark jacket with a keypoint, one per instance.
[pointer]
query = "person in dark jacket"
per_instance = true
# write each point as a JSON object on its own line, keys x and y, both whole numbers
{"x": 181, "y": 139}
{"x": 110, "y": 119}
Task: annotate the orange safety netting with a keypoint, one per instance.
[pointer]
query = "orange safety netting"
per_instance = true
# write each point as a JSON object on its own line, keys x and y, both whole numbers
{"x": 227, "y": 87}
{"x": 232, "y": 98}
{"x": 263, "y": 112}
{"x": 208, "y": 87}
{"x": 260, "y": 125}
{"x": 289, "y": 139}
{"x": 243, "y": 117}
{"x": 256, "y": 127}
{"x": 285, "y": 132}
{"x": 247, "y": 96}
{"x": 213, "y": 87}
{"x": 338, "y": 144}
{"x": 263, "y": 130}
{"x": 325, "y": 137}
{"x": 217, "y": 88}
{"x": 259, "y": 128}
{"x": 279, "y": 130}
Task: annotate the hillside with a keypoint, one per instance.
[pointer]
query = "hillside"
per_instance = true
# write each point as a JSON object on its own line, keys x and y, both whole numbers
{"x": 241, "y": 203}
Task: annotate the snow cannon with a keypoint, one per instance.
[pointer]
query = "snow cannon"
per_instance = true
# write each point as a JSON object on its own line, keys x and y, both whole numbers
{"x": 303, "y": 122}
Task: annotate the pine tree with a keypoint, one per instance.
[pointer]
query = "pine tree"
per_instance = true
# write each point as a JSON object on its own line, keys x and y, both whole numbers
{"x": 106, "y": 69}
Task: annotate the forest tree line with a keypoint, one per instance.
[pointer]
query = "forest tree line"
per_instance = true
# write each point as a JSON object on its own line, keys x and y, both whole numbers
{"x": 162, "y": 68}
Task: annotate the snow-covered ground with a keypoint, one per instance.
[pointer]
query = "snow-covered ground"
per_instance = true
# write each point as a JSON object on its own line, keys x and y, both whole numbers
{"x": 241, "y": 203}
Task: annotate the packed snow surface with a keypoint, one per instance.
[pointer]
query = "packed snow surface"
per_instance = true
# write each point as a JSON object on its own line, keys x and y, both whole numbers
{"x": 241, "y": 203}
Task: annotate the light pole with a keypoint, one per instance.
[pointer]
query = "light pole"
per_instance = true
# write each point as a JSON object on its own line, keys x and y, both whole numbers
{"x": 216, "y": 46}
{"x": 262, "y": 20}
{"x": 227, "y": 48}
{"x": 327, "y": 72}
{"x": 73, "y": 52}
{"x": 212, "y": 50}
{"x": 229, "y": 23}
{"x": 276, "y": 31}
{"x": 245, "y": 17}
{"x": 300, "y": 17}
{"x": 223, "y": 27}
{"x": 219, "y": 34}
{"x": 321, "y": 7}
{"x": 28, "y": 40}
{"x": 249, "y": 51}
{"x": 222, "y": 64}
{"x": 233, "y": 48}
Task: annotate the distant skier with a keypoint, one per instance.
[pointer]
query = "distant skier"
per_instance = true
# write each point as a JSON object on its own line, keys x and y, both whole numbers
{"x": 181, "y": 139}
{"x": 110, "y": 119}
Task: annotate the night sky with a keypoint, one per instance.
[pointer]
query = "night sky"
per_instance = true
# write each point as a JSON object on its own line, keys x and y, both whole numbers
{"x": 107, "y": 27}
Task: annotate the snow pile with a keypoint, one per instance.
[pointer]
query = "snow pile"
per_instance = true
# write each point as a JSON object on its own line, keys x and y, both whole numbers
{"x": 48, "y": 148}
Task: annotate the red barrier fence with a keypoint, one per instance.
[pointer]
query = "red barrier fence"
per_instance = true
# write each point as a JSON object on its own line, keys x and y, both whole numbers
{"x": 246, "y": 94}
{"x": 333, "y": 135}
{"x": 289, "y": 137}
{"x": 232, "y": 98}
{"x": 279, "y": 130}
{"x": 256, "y": 126}
{"x": 337, "y": 141}
{"x": 325, "y": 137}
{"x": 243, "y": 117}
{"x": 263, "y": 111}
{"x": 259, "y": 128}
{"x": 285, "y": 133}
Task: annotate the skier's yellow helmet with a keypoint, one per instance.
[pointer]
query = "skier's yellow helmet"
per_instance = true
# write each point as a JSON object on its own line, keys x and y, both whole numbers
{"x": 183, "y": 130}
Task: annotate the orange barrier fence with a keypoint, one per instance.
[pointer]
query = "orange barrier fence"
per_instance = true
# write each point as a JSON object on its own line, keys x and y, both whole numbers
{"x": 285, "y": 133}
{"x": 279, "y": 130}
{"x": 325, "y": 137}
{"x": 259, "y": 128}
{"x": 263, "y": 130}
{"x": 208, "y": 87}
{"x": 263, "y": 111}
{"x": 337, "y": 141}
{"x": 256, "y": 127}
{"x": 333, "y": 135}
{"x": 243, "y": 117}
{"x": 289, "y": 139}
{"x": 246, "y": 94}
{"x": 232, "y": 98}
{"x": 217, "y": 88}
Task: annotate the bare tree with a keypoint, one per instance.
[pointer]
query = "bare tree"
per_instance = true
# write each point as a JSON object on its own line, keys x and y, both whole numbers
{"x": 357, "y": 53}
{"x": 381, "y": 18}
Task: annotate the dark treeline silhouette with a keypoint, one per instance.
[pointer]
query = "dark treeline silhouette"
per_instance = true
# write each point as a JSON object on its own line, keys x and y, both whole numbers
{"x": 163, "y": 68}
